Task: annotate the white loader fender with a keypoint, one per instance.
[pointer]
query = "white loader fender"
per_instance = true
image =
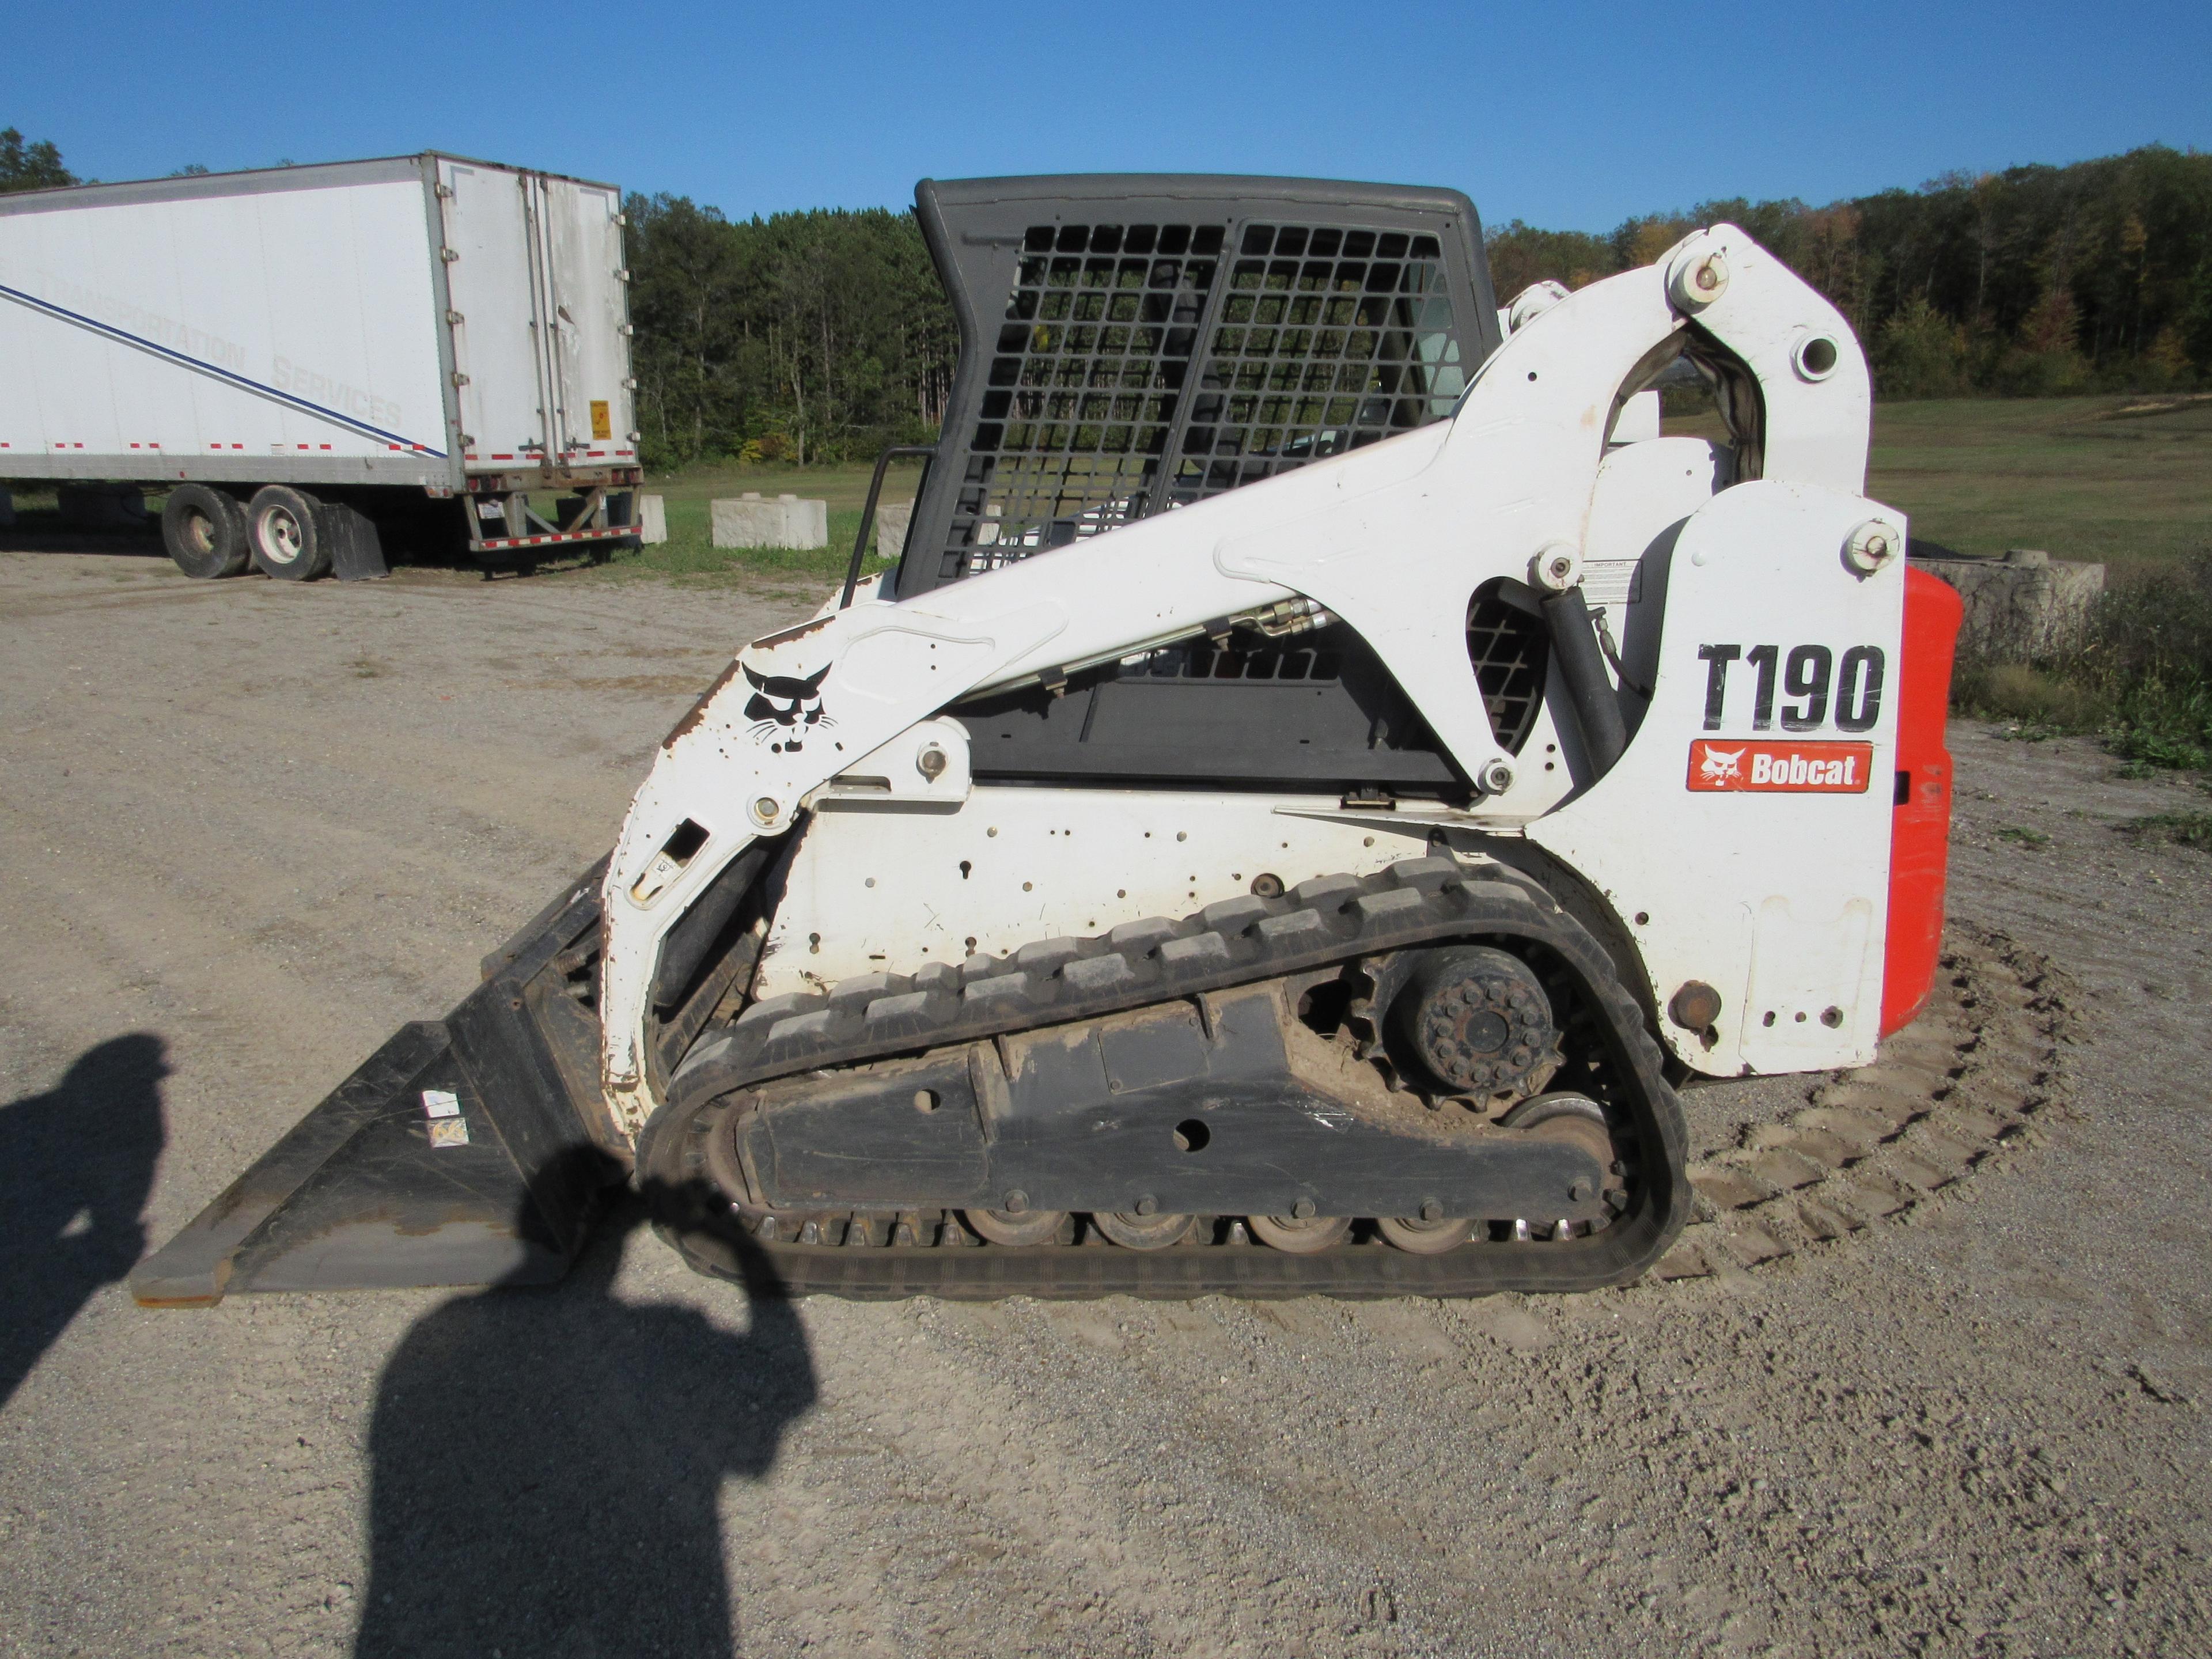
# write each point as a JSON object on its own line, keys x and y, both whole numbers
{"x": 795, "y": 709}
{"x": 1743, "y": 839}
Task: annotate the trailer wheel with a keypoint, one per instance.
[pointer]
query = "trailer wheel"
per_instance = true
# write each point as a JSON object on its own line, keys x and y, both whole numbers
{"x": 284, "y": 529}
{"x": 204, "y": 532}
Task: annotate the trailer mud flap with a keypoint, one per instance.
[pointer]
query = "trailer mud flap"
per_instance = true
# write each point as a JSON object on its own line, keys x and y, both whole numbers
{"x": 356, "y": 547}
{"x": 459, "y": 1154}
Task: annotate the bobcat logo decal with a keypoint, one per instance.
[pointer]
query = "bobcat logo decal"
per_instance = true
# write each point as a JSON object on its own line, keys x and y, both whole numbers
{"x": 783, "y": 709}
{"x": 1720, "y": 767}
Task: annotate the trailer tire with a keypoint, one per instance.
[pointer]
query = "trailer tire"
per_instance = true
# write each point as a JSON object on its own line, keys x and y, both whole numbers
{"x": 284, "y": 529}
{"x": 204, "y": 529}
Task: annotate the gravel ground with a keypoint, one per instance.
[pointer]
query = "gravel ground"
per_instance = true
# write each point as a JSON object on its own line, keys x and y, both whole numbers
{"x": 248, "y": 829}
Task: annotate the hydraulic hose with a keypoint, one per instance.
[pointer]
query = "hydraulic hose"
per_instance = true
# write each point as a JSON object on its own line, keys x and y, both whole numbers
{"x": 1575, "y": 649}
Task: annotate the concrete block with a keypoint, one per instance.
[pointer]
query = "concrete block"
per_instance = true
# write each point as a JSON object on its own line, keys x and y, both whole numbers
{"x": 787, "y": 521}
{"x": 2023, "y": 606}
{"x": 652, "y": 521}
{"x": 101, "y": 507}
{"x": 891, "y": 525}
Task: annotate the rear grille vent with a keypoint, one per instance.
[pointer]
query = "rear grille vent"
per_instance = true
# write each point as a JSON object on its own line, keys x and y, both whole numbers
{"x": 1203, "y": 660}
{"x": 1510, "y": 652}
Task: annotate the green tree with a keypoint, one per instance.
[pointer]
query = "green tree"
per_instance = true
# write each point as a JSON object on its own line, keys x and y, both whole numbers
{"x": 1920, "y": 353}
{"x": 805, "y": 337}
{"x": 31, "y": 166}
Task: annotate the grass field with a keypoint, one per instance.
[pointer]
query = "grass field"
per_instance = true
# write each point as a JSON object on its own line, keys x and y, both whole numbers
{"x": 690, "y": 552}
{"x": 2124, "y": 481}
{"x": 2120, "y": 481}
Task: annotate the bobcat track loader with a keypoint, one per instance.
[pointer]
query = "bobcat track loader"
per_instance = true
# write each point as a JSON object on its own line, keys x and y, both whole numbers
{"x": 1321, "y": 772}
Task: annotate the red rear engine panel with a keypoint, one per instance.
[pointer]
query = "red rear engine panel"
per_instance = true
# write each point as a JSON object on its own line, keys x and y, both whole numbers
{"x": 1920, "y": 833}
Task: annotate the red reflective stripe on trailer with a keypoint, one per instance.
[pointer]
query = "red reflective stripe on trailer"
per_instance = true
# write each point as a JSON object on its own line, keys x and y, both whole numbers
{"x": 1920, "y": 824}
{"x": 566, "y": 536}
{"x": 237, "y": 445}
{"x": 503, "y": 457}
{"x": 325, "y": 446}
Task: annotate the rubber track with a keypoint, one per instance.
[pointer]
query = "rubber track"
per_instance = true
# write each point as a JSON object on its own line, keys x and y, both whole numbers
{"x": 1955, "y": 1089}
{"x": 1319, "y": 924}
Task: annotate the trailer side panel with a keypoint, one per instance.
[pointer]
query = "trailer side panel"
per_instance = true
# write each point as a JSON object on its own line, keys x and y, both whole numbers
{"x": 250, "y": 334}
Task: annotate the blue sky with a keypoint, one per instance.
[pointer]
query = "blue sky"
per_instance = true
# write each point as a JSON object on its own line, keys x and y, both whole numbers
{"x": 1568, "y": 116}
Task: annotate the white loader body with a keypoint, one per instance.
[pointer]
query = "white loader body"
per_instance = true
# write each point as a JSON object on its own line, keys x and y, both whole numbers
{"x": 1780, "y": 606}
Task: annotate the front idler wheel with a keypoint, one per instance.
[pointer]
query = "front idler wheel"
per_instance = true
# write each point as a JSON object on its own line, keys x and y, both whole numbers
{"x": 1572, "y": 1119}
{"x": 1300, "y": 1236}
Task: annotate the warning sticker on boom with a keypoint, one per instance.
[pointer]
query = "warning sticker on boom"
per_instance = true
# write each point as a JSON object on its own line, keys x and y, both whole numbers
{"x": 1761, "y": 766}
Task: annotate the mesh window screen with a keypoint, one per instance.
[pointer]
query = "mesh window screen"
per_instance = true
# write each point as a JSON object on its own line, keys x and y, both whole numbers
{"x": 1120, "y": 360}
{"x": 1328, "y": 338}
{"x": 1084, "y": 385}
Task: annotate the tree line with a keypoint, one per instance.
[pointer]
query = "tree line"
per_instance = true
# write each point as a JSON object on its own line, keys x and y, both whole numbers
{"x": 2036, "y": 280}
{"x": 824, "y": 335}
{"x": 803, "y": 336}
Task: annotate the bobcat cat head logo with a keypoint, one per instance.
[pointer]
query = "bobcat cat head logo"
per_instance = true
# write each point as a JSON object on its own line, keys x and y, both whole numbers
{"x": 784, "y": 709}
{"x": 1718, "y": 766}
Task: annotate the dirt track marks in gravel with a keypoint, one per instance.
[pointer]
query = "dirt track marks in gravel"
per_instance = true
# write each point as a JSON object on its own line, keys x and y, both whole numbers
{"x": 1977, "y": 1427}
{"x": 1945, "y": 1096}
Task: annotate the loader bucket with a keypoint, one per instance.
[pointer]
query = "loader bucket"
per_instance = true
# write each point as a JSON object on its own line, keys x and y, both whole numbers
{"x": 458, "y": 1154}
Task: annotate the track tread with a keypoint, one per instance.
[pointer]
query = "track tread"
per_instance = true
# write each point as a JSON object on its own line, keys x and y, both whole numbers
{"x": 1320, "y": 924}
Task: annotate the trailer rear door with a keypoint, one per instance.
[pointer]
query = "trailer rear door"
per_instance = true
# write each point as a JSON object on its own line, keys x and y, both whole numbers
{"x": 587, "y": 299}
{"x": 491, "y": 282}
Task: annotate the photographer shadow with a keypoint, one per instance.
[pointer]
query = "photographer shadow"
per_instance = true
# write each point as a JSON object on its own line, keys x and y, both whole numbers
{"x": 547, "y": 1466}
{"x": 76, "y": 1164}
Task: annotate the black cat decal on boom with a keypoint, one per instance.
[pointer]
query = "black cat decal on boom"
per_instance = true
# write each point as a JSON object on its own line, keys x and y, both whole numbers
{"x": 783, "y": 705}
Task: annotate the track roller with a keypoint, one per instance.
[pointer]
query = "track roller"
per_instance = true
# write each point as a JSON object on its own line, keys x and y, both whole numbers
{"x": 1300, "y": 1236}
{"x": 1142, "y": 1232}
{"x": 1016, "y": 1228}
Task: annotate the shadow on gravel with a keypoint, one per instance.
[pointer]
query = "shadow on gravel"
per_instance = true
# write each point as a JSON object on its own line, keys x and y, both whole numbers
{"x": 75, "y": 1166}
{"x": 546, "y": 1467}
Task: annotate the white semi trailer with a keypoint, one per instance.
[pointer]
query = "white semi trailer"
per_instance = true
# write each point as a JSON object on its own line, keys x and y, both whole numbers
{"x": 303, "y": 357}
